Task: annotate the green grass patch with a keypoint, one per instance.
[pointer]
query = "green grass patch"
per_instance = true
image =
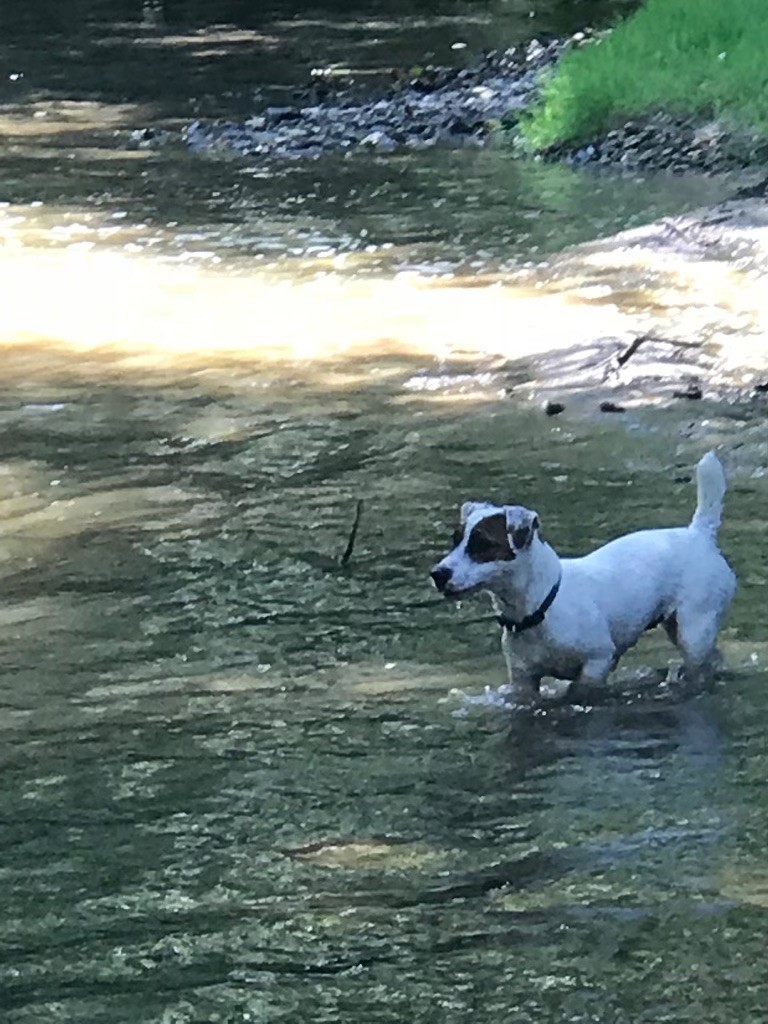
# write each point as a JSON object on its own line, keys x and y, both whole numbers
{"x": 698, "y": 56}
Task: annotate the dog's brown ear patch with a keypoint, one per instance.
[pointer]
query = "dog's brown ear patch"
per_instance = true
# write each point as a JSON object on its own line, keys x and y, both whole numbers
{"x": 523, "y": 535}
{"x": 522, "y": 525}
{"x": 488, "y": 540}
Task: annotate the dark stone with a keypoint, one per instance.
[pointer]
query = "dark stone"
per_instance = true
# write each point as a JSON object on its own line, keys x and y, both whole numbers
{"x": 692, "y": 392}
{"x": 283, "y": 115}
{"x": 553, "y": 408}
{"x": 459, "y": 126}
{"x": 611, "y": 407}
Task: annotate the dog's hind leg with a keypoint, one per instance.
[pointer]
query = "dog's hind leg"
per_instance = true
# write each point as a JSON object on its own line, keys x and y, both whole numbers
{"x": 593, "y": 675}
{"x": 696, "y": 639}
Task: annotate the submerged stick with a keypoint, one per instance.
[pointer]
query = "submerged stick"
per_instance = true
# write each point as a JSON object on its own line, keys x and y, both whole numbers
{"x": 629, "y": 351}
{"x": 622, "y": 358}
{"x": 352, "y": 535}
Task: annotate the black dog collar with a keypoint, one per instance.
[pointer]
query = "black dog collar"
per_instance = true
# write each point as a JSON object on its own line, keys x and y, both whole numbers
{"x": 535, "y": 618}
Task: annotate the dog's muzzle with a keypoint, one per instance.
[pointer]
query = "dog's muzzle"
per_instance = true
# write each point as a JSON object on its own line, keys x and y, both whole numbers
{"x": 441, "y": 577}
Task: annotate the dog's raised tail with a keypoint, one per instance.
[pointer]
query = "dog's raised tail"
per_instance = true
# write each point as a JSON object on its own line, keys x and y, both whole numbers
{"x": 710, "y": 490}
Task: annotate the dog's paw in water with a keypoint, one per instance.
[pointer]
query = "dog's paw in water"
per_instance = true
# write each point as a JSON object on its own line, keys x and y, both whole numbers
{"x": 643, "y": 683}
{"x": 506, "y": 697}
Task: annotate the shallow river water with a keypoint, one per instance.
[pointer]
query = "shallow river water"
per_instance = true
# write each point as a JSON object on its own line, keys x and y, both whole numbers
{"x": 239, "y": 783}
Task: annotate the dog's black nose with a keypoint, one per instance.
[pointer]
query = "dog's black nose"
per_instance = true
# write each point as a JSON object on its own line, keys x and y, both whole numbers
{"x": 440, "y": 576}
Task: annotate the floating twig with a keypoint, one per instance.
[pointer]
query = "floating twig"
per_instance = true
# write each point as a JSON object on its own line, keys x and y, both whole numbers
{"x": 622, "y": 358}
{"x": 677, "y": 342}
{"x": 629, "y": 351}
{"x": 352, "y": 535}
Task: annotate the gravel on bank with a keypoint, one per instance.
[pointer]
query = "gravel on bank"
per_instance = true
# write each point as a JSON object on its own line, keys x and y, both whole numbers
{"x": 664, "y": 141}
{"x": 451, "y": 107}
{"x": 436, "y": 106}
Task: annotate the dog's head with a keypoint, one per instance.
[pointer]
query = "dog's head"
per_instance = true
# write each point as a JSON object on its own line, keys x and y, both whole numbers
{"x": 492, "y": 542}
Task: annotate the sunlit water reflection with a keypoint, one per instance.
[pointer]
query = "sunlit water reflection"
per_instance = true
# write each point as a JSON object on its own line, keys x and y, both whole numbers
{"x": 235, "y": 788}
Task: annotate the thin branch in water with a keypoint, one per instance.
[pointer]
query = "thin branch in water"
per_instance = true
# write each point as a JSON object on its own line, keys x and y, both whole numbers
{"x": 352, "y": 535}
{"x": 622, "y": 358}
{"x": 629, "y": 351}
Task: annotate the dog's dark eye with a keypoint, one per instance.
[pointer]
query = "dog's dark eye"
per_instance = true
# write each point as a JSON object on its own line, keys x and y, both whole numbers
{"x": 456, "y": 538}
{"x": 488, "y": 541}
{"x": 479, "y": 547}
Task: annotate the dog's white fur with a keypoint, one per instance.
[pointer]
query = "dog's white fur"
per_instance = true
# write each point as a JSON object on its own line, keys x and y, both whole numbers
{"x": 608, "y": 598}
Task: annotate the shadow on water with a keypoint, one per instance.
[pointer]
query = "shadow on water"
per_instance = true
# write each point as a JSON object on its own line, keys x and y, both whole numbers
{"x": 234, "y": 786}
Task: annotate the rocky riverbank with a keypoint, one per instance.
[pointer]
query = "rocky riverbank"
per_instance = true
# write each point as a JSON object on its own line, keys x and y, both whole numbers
{"x": 433, "y": 106}
{"x": 663, "y": 141}
{"x": 459, "y": 107}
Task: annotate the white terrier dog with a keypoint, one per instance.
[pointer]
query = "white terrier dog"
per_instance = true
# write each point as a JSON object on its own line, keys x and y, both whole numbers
{"x": 573, "y": 618}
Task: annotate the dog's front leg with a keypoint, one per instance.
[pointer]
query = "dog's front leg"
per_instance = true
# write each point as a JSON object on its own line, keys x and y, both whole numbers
{"x": 524, "y": 683}
{"x": 525, "y": 689}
